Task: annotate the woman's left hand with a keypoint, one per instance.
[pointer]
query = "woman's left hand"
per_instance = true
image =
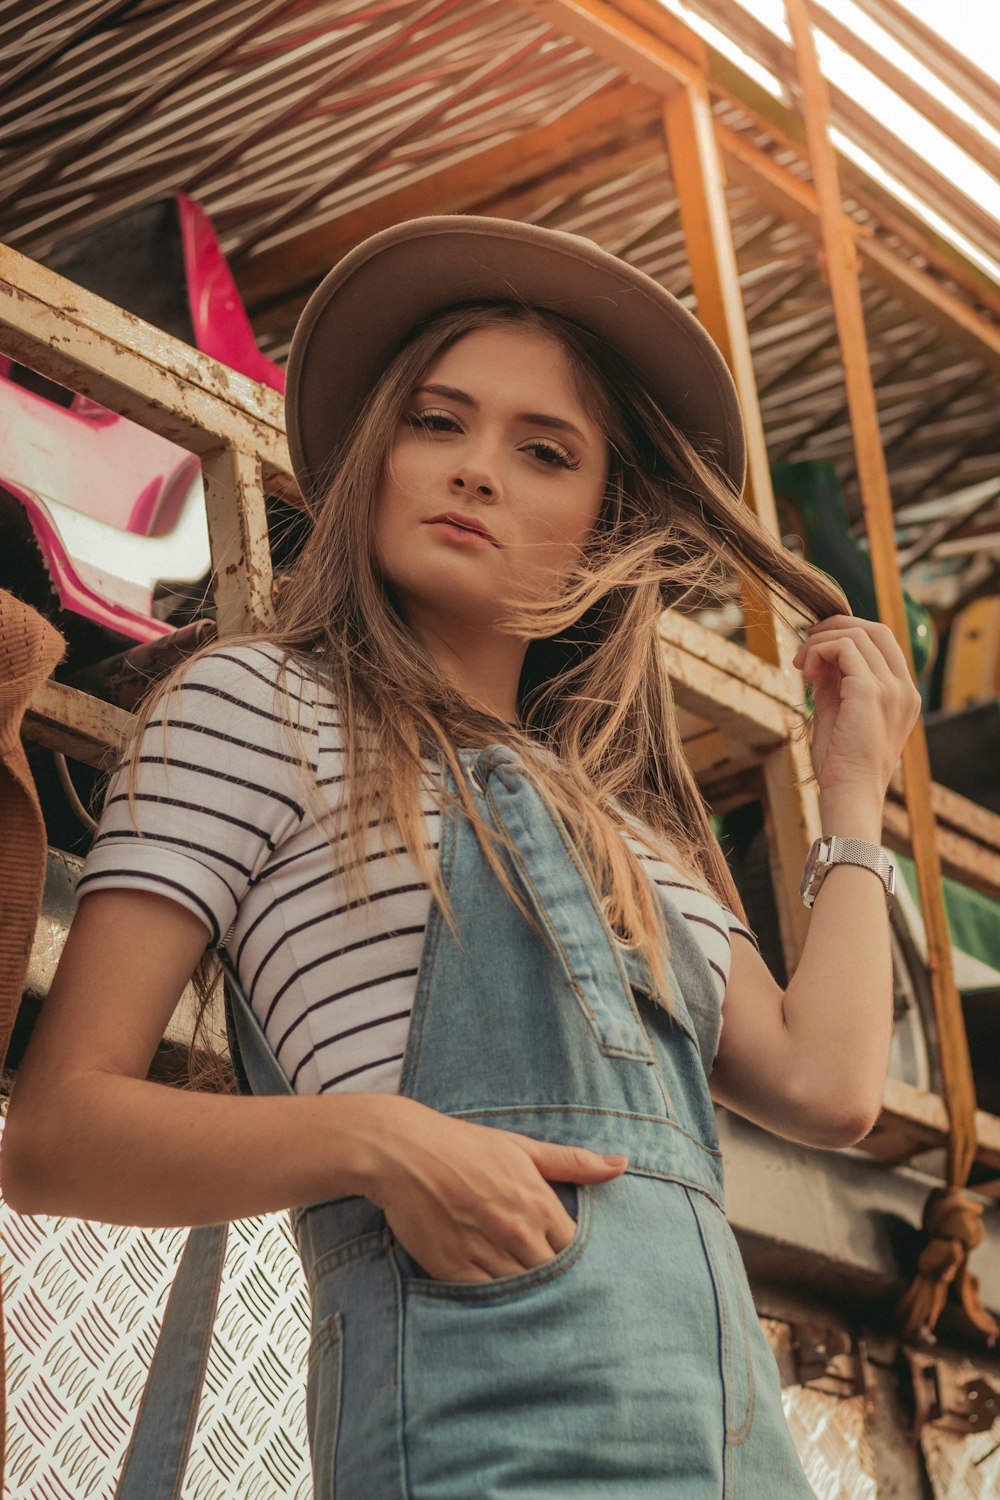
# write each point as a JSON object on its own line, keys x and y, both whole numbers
{"x": 865, "y": 705}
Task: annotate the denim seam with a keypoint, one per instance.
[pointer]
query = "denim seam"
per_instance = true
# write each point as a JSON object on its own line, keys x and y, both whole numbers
{"x": 330, "y": 1335}
{"x": 721, "y": 1319}
{"x": 344, "y": 1255}
{"x": 207, "y": 1329}
{"x": 397, "y": 1365}
{"x": 581, "y": 1109}
{"x": 737, "y": 1435}
{"x": 520, "y": 1283}
{"x": 432, "y": 937}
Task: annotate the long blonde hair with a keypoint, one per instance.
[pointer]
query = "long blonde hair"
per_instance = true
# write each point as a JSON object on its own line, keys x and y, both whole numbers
{"x": 594, "y": 689}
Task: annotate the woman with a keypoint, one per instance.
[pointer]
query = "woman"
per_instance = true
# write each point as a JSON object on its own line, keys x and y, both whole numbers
{"x": 440, "y": 824}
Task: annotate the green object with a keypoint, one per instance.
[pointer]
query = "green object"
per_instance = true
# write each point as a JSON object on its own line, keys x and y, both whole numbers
{"x": 974, "y": 924}
{"x": 814, "y": 489}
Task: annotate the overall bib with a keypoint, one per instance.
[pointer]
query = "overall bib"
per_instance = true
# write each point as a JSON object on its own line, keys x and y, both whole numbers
{"x": 631, "y": 1366}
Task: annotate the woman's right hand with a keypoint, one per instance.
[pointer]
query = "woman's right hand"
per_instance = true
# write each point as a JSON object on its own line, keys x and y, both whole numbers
{"x": 470, "y": 1203}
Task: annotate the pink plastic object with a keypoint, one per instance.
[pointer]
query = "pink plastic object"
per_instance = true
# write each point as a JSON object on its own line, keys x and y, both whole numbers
{"x": 114, "y": 507}
{"x": 80, "y": 474}
{"x": 221, "y": 326}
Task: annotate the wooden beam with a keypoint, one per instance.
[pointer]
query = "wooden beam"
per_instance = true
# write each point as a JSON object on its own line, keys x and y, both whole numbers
{"x": 697, "y": 174}
{"x": 686, "y": 634}
{"x": 912, "y": 1122}
{"x": 629, "y": 44}
{"x": 975, "y": 143}
{"x": 961, "y": 858}
{"x": 791, "y": 807}
{"x": 842, "y": 269}
{"x": 237, "y": 531}
{"x": 715, "y": 756}
{"x": 954, "y": 68}
{"x": 773, "y": 53}
{"x": 968, "y": 836}
{"x": 608, "y": 121}
{"x": 796, "y": 200}
{"x": 755, "y": 704}
{"x": 64, "y": 719}
{"x": 97, "y": 349}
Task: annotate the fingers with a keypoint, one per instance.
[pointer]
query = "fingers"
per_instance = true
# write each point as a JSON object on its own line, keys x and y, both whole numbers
{"x": 471, "y": 1203}
{"x": 572, "y": 1163}
{"x": 875, "y": 642}
{"x": 865, "y": 653}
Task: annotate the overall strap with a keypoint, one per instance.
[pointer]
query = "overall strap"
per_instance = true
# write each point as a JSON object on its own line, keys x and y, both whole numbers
{"x": 561, "y": 895}
{"x": 154, "y": 1465}
{"x": 161, "y": 1439}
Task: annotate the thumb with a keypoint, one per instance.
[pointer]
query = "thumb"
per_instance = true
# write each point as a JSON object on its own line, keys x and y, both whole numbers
{"x": 575, "y": 1164}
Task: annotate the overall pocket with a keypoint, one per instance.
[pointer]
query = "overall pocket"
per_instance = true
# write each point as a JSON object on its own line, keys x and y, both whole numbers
{"x": 575, "y": 1199}
{"x": 323, "y": 1397}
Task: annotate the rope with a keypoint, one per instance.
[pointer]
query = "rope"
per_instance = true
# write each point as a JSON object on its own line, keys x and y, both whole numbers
{"x": 953, "y": 1226}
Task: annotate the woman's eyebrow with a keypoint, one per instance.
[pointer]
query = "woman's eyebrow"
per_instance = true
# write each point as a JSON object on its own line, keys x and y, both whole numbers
{"x": 538, "y": 419}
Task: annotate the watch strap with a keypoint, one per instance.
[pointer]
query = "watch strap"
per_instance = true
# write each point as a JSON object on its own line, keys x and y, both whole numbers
{"x": 835, "y": 850}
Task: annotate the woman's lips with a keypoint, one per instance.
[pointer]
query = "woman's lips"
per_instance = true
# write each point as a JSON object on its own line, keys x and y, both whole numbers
{"x": 463, "y": 528}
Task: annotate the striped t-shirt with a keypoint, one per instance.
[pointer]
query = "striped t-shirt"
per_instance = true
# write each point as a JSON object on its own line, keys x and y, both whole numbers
{"x": 227, "y": 827}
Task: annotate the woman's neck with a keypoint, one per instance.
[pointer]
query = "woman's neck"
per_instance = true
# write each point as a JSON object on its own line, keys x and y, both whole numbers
{"x": 483, "y": 665}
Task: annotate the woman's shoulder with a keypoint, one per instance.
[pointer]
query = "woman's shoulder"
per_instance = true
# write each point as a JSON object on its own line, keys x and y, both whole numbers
{"x": 258, "y": 676}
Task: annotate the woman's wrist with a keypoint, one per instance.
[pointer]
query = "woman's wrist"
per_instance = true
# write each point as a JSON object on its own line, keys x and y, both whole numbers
{"x": 368, "y": 1130}
{"x": 851, "y": 814}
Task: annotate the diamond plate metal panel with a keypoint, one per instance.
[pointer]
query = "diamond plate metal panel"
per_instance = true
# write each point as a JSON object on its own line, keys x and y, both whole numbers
{"x": 962, "y": 1468}
{"x": 83, "y": 1305}
{"x": 832, "y": 1442}
{"x": 829, "y": 1431}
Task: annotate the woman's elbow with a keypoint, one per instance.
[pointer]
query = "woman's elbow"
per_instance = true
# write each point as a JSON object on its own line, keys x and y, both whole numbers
{"x": 30, "y": 1156}
{"x": 836, "y": 1123}
{"x": 21, "y": 1174}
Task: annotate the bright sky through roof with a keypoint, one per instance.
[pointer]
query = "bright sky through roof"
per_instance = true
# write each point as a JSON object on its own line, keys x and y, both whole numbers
{"x": 971, "y": 26}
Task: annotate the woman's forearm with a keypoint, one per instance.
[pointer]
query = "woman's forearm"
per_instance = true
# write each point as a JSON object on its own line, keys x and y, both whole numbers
{"x": 838, "y": 1007}
{"x": 127, "y": 1151}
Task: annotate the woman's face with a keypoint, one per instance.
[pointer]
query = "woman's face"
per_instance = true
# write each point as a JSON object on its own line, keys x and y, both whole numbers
{"x": 495, "y": 479}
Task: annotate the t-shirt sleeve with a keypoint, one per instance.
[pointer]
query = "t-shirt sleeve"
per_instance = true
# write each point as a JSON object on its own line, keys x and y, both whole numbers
{"x": 218, "y": 786}
{"x": 736, "y": 928}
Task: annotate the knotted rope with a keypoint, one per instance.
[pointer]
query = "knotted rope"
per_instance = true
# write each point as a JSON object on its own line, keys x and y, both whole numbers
{"x": 953, "y": 1226}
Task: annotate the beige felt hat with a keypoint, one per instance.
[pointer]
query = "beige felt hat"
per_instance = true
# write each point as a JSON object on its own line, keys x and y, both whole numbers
{"x": 364, "y": 310}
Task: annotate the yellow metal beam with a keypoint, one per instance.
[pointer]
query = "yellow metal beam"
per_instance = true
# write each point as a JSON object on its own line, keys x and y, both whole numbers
{"x": 64, "y": 719}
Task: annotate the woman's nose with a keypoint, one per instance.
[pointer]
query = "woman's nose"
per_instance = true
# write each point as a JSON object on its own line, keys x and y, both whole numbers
{"x": 467, "y": 483}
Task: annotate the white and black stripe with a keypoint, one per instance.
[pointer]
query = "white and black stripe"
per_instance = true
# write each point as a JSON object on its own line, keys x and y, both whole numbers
{"x": 221, "y": 808}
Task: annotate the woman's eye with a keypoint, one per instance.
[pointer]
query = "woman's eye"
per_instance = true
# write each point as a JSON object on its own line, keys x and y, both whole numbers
{"x": 432, "y": 421}
{"x": 552, "y": 453}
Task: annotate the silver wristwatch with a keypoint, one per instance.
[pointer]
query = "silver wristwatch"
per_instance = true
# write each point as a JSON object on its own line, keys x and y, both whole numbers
{"x": 837, "y": 851}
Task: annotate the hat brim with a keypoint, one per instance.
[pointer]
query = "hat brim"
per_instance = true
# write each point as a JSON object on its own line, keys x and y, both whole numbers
{"x": 364, "y": 310}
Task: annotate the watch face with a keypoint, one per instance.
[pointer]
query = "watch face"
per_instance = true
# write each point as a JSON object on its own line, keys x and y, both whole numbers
{"x": 817, "y": 864}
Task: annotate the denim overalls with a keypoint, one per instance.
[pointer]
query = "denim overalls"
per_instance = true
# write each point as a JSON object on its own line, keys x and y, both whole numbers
{"x": 630, "y": 1366}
